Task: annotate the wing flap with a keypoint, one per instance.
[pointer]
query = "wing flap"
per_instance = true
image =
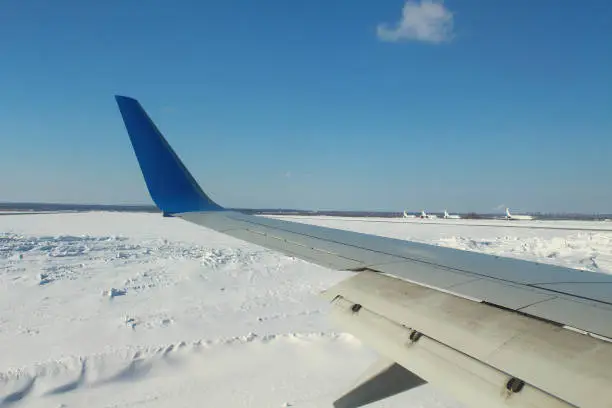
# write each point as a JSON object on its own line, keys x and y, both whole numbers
{"x": 469, "y": 340}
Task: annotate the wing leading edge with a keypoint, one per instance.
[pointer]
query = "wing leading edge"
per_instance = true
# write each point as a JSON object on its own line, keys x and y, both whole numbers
{"x": 481, "y": 321}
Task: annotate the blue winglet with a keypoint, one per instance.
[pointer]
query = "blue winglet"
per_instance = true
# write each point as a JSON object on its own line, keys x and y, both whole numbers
{"x": 171, "y": 186}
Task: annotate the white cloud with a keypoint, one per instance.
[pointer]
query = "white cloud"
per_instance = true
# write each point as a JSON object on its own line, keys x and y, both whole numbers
{"x": 500, "y": 207}
{"x": 427, "y": 20}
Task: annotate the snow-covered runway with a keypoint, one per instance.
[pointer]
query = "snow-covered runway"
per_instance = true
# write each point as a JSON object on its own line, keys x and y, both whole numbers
{"x": 127, "y": 309}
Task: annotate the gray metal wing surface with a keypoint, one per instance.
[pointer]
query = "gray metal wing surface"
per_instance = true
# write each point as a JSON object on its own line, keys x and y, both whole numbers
{"x": 493, "y": 331}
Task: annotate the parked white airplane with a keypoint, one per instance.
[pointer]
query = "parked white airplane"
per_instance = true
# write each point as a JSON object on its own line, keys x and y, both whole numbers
{"x": 427, "y": 216}
{"x": 494, "y": 332}
{"x": 451, "y": 216}
{"x": 406, "y": 215}
{"x": 517, "y": 217}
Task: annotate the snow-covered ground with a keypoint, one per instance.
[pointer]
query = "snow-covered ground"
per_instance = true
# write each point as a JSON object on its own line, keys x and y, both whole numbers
{"x": 136, "y": 310}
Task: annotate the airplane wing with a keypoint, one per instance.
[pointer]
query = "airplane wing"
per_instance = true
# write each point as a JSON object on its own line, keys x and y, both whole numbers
{"x": 492, "y": 331}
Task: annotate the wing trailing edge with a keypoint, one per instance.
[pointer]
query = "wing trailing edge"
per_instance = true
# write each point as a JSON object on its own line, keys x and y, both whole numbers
{"x": 484, "y": 356}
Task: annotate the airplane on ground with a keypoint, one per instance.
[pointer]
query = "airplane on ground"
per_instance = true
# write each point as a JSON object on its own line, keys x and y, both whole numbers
{"x": 406, "y": 215}
{"x": 492, "y": 331}
{"x": 517, "y": 217}
{"x": 424, "y": 215}
{"x": 448, "y": 216}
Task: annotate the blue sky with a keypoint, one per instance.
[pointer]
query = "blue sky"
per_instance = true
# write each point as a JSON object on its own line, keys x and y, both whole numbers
{"x": 369, "y": 105}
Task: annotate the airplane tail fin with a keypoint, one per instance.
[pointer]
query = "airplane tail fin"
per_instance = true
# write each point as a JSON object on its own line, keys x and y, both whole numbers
{"x": 446, "y": 214}
{"x": 171, "y": 186}
{"x": 508, "y": 213}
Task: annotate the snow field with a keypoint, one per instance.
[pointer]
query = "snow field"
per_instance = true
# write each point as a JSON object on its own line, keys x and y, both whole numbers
{"x": 130, "y": 310}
